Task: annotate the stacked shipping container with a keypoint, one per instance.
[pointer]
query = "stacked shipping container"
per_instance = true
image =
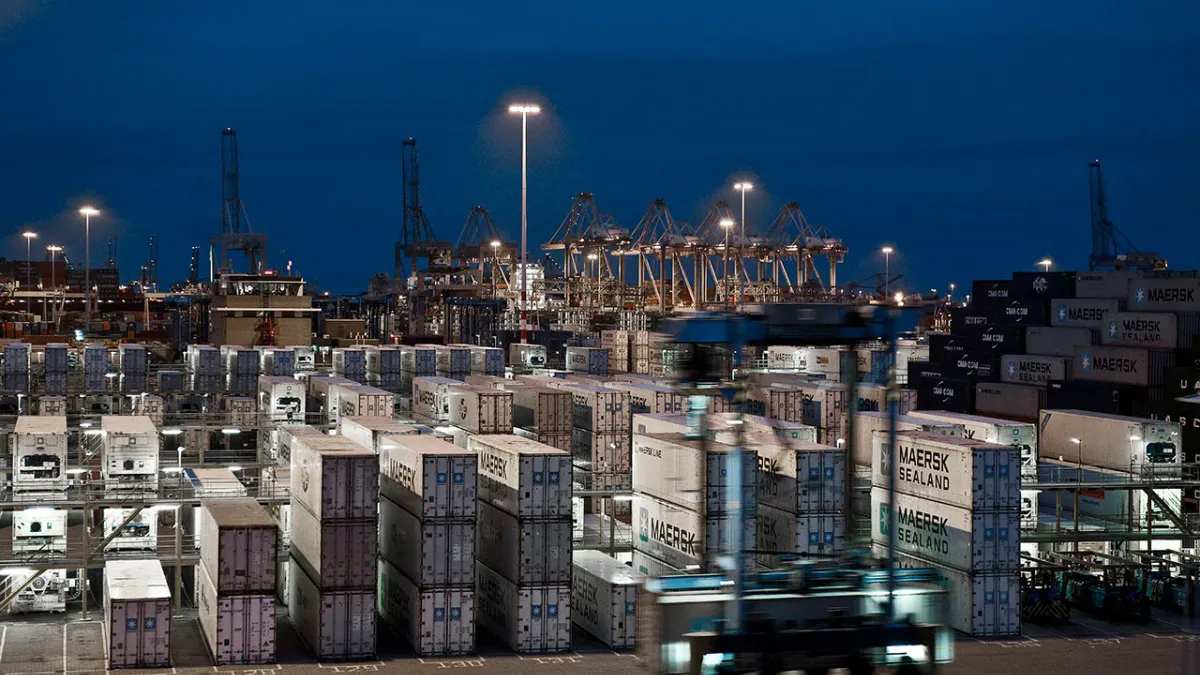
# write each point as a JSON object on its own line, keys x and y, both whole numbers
{"x": 137, "y": 615}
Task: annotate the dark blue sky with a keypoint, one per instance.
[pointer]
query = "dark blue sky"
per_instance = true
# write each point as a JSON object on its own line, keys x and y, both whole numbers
{"x": 958, "y": 131}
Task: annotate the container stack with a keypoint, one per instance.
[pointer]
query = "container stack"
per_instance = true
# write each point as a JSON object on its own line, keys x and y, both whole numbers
{"x": 957, "y": 509}
{"x": 431, "y": 398}
{"x": 544, "y": 415}
{"x": 358, "y": 400}
{"x": 604, "y": 598}
{"x": 523, "y": 547}
{"x": 369, "y": 432}
{"x": 428, "y": 505}
{"x": 235, "y": 581}
{"x": 241, "y": 368}
{"x": 487, "y": 360}
{"x": 334, "y": 516}
{"x": 204, "y": 365}
{"x": 641, "y": 351}
{"x": 17, "y": 356}
{"x": 277, "y": 361}
{"x": 801, "y": 497}
{"x": 137, "y": 615}
{"x": 383, "y": 367}
{"x": 350, "y": 363}
{"x": 452, "y": 360}
{"x": 589, "y": 360}
{"x": 481, "y": 410}
{"x": 57, "y": 367}
{"x": 617, "y": 344}
{"x": 95, "y": 369}
{"x": 132, "y": 361}
{"x": 681, "y": 488}
{"x": 600, "y": 440}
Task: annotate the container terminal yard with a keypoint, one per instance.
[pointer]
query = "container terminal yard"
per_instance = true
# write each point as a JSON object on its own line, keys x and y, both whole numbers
{"x": 671, "y": 448}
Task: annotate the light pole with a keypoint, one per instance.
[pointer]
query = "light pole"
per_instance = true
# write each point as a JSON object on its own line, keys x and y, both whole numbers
{"x": 727, "y": 225}
{"x": 87, "y": 213}
{"x": 595, "y": 258}
{"x": 1045, "y": 263}
{"x": 743, "y": 188}
{"x": 495, "y": 263}
{"x": 951, "y": 296}
{"x": 29, "y": 237}
{"x": 524, "y": 110}
{"x": 887, "y": 268}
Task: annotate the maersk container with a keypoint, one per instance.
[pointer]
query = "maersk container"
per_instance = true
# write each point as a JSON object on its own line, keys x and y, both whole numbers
{"x": 562, "y": 441}
{"x": 481, "y": 410}
{"x": 605, "y": 453}
{"x": 137, "y": 615}
{"x": 1083, "y": 312}
{"x": 238, "y": 629}
{"x": 337, "y": 554}
{"x": 966, "y": 473}
{"x": 691, "y": 474}
{"x": 802, "y": 477}
{"x": 781, "y": 402}
{"x": 1013, "y": 401}
{"x": 523, "y": 477}
{"x": 529, "y": 619}
{"x": 652, "y": 398}
{"x": 369, "y": 431}
{"x": 431, "y": 397}
{"x": 977, "y": 541}
{"x": 591, "y": 360}
{"x": 1149, "y": 330}
{"x": 436, "y": 621}
{"x": 525, "y": 551}
{"x": 599, "y": 408}
{"x": 1108, "y": 441}
{"x": 430, "y": 552}
{"x": 866, "y": 423}
{"x": 1035, "y": 370}
{"x": 652, "y": 567}
{"x": 604, "y": 598}
{"x": 779, "y": 532}
{"x": 1122, "y": 365}
{"x": 1021, "y": 435}
{"x": 288, "y": 436}
{"x": 1164, "y": 294}
{"x": 685, "y": 539}
{"x": 548, "y": 410}
{"x": 874, "y": 397}
{"x": 282, "y": 399}
{"x": 1111, "y": 284}
{"x": 334, "y": 477}
{"x": 334, "y": 624}
{"x": 787, "y": 358}
{"x": 1046, "y": 341}
{"x": 239, "y": 542}
{"x": 980, "y": 605}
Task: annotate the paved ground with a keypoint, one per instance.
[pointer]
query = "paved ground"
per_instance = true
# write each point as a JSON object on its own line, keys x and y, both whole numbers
{"x": 1087, "y": 646}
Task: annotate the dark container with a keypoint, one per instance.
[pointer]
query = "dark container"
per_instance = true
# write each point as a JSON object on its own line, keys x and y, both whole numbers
{"x": 917, "y": 370}
{"x": 975, "y": 366}
{"x": 1100, "y": 397}
{"x": 1042, "y": 285}
{"x": 1003, "y": 340}
{"x": 1181, "y": 381}
{"x": 946, "y": 393}
{"x": 986, "y": 293}
{"x": 946, "y": 348}
{"x": 968, "y": 320}
{"x": 1020, "y": 312}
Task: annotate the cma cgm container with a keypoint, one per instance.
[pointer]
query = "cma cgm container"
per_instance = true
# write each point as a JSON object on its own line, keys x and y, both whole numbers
{"x": 334, "y": 477}
{"x": 1108, "y": 441}
{"x": 684, "y": 538}
{"x": 1149, "y": 330}
{"x": 527, "y": 551}
{"x": 802, "y": 477}
{"x": 981, "y": 605}
{"x": 481, "y": 410}
{"x": 1046, "y": 341}
{"x": 430, "y": 552}
{"x": 1020, "y": 312}
{"x": 1169, "y": 294}
{"x": 974, "y": 366}
{"x": 978, "y": 541}
{"x": 137, "y": 615}
{"x": 604, "y": 598}
{"x": 1120, "y": 365}
{"x": 968, "y": 474}
{"x": 428, "y": 476}
{"x": 591, "y": 360}
{"x": 1022, "y": 435}
{"x": 523, "y": 477}
{"x": 867, "y": 423}
{"x": 1036, "y": 370}
{"x": 530, "y": 619}
{"x": 779, "y": 532}
{"x": 436, "y": 621}
{"x": 334, "y": 624}
{"x": 692, "y": 474}
{"x": 238, "y": 629}
{"x": 1083, "y": 312}
{"x": 1013, "y": 401}
{"x": 946, "y": 393}
{"x": 239, "y": 542}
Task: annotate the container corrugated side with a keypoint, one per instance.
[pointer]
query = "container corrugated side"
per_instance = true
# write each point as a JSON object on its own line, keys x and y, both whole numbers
{"x": 961, "y": 472}
{"x": 810, "y": 479}
{"x": 524, "y": 551}
{"x": 1013, "y": 401}
{"x": 137, "y": 615}
{"x": 690, "y": 474}
{"x": 429, "y": 477}
{"x": 599, "y": 408}
{"x": 1164, "y": 294}
{"x": 780, "y": 532}
{"x": 685, "y": 539}
{"x": 334, "y": 625}
{"x": 604, "y": 598}
{"x": 1109, "y": 441}
{"x": 980, "y": 605}
{"x": 962, "y": 539}
{"x": 337, "y": 554}
{"x": 523, "y": 477}
{"x": 1045, "y": 341}
{"x": 1121, "y": 365}
{"x": 238, "y": 629}
{"x": 239, "y": 543}
{"x": 603, "y": 453}
{"x": 481, "y": 411}
{"x": 1146, "y": 330}
{"x": 334, "y": 477}
{"x": 549, "y": 410}
{"x": 436, "y": 621}
{"x": 432, "y": 552}
{"x": 530, "y": 619}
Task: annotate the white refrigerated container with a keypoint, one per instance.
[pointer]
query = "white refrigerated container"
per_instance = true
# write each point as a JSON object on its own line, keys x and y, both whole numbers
{"x": 691, "y": 474}
{"x": 682, "y": 538}
{"x": 238, "y": 629}
{"x": 130, "y": 448}
{"x": 481, "y": 410}
{"x": 529, "y": 552}
{"x": 455, "y": 359}
{"x": 141, "y": 534}
{"x": 418, "y": 360}
{"x": 431, "y": 552}
{"x": 652, "y": 398}
{"x": 980, "y": 605}
{"x": 542, "y": 408}
{"x": 334, "y": 477}
{"x": 599, "y": 408}
{"x": 239, "y": 543}
{"x": 367, "y": 431}
{"x": 527, "y": 355}
{"x": 530, "y": 619}
{"x": 604, "y": 597}
{"x": 866, "y": 423}
{"x": 486, "y": 360}
{"x": 431, "y": 398}
{"x": 977, "y": 541}
{"x": 1022, "y": 435}
{"x": 41, "y": 530}
{"x": 1109, "y": 441}
{"x": 966, "y": 473}
{"x": 336, "y": 554}
{"x": 358, "y": 400}
{"x": 287, "y": 436}
{"x": 801, "y": 477}
{"x": 523, "y": 477}
{"x": 591, "y": 360}
{"x": 429, "y": 477}
{"x": 282, "y": 399}
{"x": 780, "y": 532}
{"x": 137, "y": 615}
{"x": 334, "y": 624}
{"x": 436, "y": 621}
{"x": 39, "y": 453}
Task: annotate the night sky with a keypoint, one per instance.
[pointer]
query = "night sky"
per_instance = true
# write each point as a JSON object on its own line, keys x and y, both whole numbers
{"x": 958, "y": 132}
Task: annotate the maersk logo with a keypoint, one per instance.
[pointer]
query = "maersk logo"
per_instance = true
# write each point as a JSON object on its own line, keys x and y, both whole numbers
{"x": 1012, "y": 368}
{"x": 1139, "y": 296}
{"x": 1085, "y": 362}
{"x": 1062, "y": 312}
{"x": 644, "y": 524}
{"x": 1113, "y": 330}
{"x": 883, "y": 519}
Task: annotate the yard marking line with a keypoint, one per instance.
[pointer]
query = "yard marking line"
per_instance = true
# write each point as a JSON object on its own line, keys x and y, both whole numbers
{"x": 64, "y": 649}
{"x": 3, "y": 637}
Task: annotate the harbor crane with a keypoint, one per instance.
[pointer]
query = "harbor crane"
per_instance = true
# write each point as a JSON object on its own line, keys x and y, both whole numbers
{"x": 1111, "y": 249}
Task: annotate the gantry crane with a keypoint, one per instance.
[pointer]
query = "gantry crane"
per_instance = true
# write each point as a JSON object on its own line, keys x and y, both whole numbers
{"x": 1110, "y": 247}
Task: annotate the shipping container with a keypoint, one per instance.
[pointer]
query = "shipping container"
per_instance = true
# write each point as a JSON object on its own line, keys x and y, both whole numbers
{"x": 237, "y": 629}
{"x": 523, "y": 477}
{"x": 966, "y": 473}
{"x": 39, "y": 452}
{"x": 973, "y": 366}
{"x": 383, "y": 360}
{"x": 989, "y": 293}
{"x": 1046, "y": 341}
{"x": 591, "y": 360}
{"x": 684, "y": 538}
{"x": 1021, "y": 435}
{"x": 277, "y": 361}
{"x": 336, "y": 554}
{"x": 335, "y": 625}
{"x": 980, "y": 604}
{"x": 874, "y": 397}
{"x": 369, "y": 431}
{"x": 1042, "y": 285}
{"x": 334, "y": 477}
{"x": 1111, "y": 284}
{"x": 431, "y": 397}
{"x": 976, "y": 541}
{"x": 1122, "y": 365}
{"x": 525, "y": 551}
{"x": 130, "y": 451}
{"x": 481, "y": 410}
{"x": 527, "y": 355}
{"x": 1179, "y": 381}
{"x": 238, "y": 545}
{"x": 562, "y": 441}
{"x": 1013, "y": 401}
{"x": 529, "y": 619}
{"x": 919, "y": 370}
{"x": 430, "y": 552}
{"x": 359, "y": 401}
{"x": 692, "y": 474}
{"x": 418, "y": 360}
{"x": 137, "y": 615}
{"x": 350, "y": 362}
{"x": 787, "y": 358}
{"x": 779, "y": 533}
{"x": 1035, "y": 370}
{"x": 802, "y": 477}
{"x": 1020, "y": 312}
{"x": 281, "y": 399}
{"x": 968, "y": 320}
{"x": 652, "y": 567}
{"x": 781, "y": 402}
{"x": 435, "y": 621}
{"x": 452, "y": 359}
{"x": 487, "y": 360}
{"x": 757, "y": 429}
{"x": 1108, "y": 441}
{"x": 605, "y": 453}
{"x": 548, "y": 410}
{"x": 288, "y": 436}
{"x": 52, "y": 406}
{"x": 651, "y": 398}
{"x": 131, "y": 358}
{"x": 599, "y": 408}
{"x": 604, "y": 598}
{"x": 866, "y": 423}
{"x": 946, "y": 393}
{"x": 1149, "y": 330}
{"x": 1084, "y": 312}
{"x": 1164, "y": 294}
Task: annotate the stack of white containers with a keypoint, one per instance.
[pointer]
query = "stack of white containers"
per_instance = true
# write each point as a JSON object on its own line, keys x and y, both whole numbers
{"x": 383, "y": 367}
{"x": 681, "y": 492}
{"x": 241, "y": 368}
{"x": 801, "y": 495}
{"x": 137, "y": 615}
{"x": 350, "y": 363}
{"x": 17, "y": 356}
{"x": 617, "y": 344}
{"x": 600, "y": 435}
{"x": 523, "y": 547}
{"x": 334, "y": 515}
{"x": 204, "y": 364}
{"x": 604, "y": 598}
{"x": 95, "y": 367}
{"x": 486, "y": 360}
{"x": 544, "y": 415}
{"x": 639, "y": 351}
{"x": 235, "y": 582}
{"x": 427, "y": 508}
{"x": 589, "y": 360}
{"x": 481, "y": 410}
{"x": 56, "y": 368}
{"x": 958, "y": 510}
{"x": 278, "y": 361}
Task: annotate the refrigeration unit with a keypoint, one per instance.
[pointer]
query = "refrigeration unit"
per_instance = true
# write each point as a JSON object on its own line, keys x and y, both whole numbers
{"x": 141, "y": 534}
{"x": 39, "y": 453}
{"x": 527, "y": 356}
{"x": 130, "y": 447}
{"x": 39, "y": 530}
{"x": 48, "y": 592}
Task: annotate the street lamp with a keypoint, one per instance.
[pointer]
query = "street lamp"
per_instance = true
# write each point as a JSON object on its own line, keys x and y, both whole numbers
{"x": 727, "y": 225}
{"x": 951, "y": 296}
{"x": 524, "y": 110}
{"x": 495, "y": 262}
{"x": 87, "y": 212}
{"x": 595, "y": 257}
{"x": 1046, "y": 263}
{"x": 887, "y": 268}
{"x": 29, "y": 237}
{"x": 743, "y": 188}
